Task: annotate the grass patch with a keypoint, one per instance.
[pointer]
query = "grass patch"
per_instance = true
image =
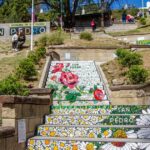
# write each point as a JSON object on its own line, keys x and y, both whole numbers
{"x": 8, "y": 64}
{"x": 96, "y": 42}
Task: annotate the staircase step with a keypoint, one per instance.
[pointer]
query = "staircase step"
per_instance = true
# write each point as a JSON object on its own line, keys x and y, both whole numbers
{"x": 84, "y": 131}
{"x": 64, "y": 143}
{"x": 96, "y": 119}
{"x": 102, "y": 109}
{"x": 81, "y": 103}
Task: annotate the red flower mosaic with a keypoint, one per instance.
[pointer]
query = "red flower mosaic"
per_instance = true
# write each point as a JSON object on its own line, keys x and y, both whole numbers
{"x": 69, "y": 79}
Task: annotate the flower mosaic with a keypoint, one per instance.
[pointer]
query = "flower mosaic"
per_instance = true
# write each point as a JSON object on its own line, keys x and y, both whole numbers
{"x": 80, "y": 145}
{"x": 74, "y": 81}
{"x": 101, "y": 109}
{"x": 92, "y": 120}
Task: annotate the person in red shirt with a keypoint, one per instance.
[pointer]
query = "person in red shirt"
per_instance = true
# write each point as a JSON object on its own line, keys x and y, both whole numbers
{"x": 93, "y": 25}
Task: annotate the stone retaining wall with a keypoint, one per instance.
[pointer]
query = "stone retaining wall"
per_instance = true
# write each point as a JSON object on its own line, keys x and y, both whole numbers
{"x": 14, "y": 108}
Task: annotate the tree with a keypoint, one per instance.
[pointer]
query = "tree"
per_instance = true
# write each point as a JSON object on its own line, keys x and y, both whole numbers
{"x": 19, "y": 9}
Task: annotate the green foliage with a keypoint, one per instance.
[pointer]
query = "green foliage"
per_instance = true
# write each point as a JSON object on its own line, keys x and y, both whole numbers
{"x": 40, "y": 52}
{"x": 26, "y": 69}
{"x": 56, "y": 38}
{"x": 142, "y": 21}
{"x": 86, "y": 36}
{"x": 128, "y": 59}
{"x": 33, "y": 57}
{"x": 137, "y": 74}
{"x": 18, "y": 11}
{"x": 47, "y": 16}
{"x": 11, "y": 86}
{"x": 121, "y": 53}
{"x": 131, "y": 59}
{"x": 42, "y": 41}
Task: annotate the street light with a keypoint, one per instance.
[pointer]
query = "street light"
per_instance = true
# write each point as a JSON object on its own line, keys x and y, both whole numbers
{"x": 143, "y": 7}
{"x": 32, "y": 24}
{"x": 61, "y": 17}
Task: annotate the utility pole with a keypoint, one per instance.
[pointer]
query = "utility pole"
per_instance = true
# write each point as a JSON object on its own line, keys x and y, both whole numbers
{"x": 143, "y": 8}
{"x": 32, "y": 24}
{"x": 61, "y": 19}
{"x": 102, "y": 13}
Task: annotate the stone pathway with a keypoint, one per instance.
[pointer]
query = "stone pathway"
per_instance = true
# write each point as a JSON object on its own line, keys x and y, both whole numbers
{"x": 121, "y": 27}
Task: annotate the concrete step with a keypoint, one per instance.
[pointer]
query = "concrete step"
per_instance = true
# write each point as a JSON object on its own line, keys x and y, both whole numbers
{"x": 102, "y": 119}
{"x": 100, "y": 109}
{"x": 95, "y": 131}
{"x": 65, "y": 143}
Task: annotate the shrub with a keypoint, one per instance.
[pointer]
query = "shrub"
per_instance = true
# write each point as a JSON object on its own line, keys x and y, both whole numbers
{"x": 26, "y": 69}
{"x": 143, "y": 21}
{"x": 86, "y": 36}
{"x": 33, "y": 57}
{"x": 40, "y": 52}
{"x": 56, "y": 38}
{"x": 42, "y": 41}
{"x": 11, "y": 86}
{"x": 131, "y": 59}
{"x": 121, "y": 53}
{"x": 137, "y": 75}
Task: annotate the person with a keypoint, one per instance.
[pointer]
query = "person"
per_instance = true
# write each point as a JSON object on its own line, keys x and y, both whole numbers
{"x": 21, "y": 39}
{"x": 124, "y": 15}
{"x": 130, "y": 19}
{"x": 15, "y": 41}
{"x": 93, "y": 25}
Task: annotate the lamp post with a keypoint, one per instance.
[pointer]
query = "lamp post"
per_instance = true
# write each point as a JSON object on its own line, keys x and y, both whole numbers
{"x": 143, "y": 7}
{"x": 61, "y": 19}
{"x": 32, "y": 24}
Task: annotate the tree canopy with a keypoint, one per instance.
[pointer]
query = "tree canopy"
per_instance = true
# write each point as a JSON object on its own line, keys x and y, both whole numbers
{"x": 18, "y": 10}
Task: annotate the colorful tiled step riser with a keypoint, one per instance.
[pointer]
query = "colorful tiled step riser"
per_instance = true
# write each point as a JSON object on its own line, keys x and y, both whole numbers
{"x": 103, "y": 109}
{"x": 81, "y": 103}
{"x": 46, "y": 144}
{"x": 75, "y": 80}
{"x": 92, "y": 132}
{"x": 98, "y": 120}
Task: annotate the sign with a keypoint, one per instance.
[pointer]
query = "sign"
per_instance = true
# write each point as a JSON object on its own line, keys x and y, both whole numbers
{"x": 1, "y": 31}
{"x": 67, "y": 56}
{"x": 28, "y": 24}
{"x": 21, "y": 130}
{"x": 27, "y": 30}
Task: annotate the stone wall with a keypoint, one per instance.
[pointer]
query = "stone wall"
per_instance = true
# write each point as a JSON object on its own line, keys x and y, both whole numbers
{"x": 14, "y": 108}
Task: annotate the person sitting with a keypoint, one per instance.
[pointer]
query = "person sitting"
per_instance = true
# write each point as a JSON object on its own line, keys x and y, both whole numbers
{"x": 15, "y": 41}
{"x": 130, "y": 19}
{"x": 21, "y": 39}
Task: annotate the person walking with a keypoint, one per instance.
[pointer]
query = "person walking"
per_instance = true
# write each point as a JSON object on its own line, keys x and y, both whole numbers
{"x": 15, "y": 42}
{"x": 93, "y": 25}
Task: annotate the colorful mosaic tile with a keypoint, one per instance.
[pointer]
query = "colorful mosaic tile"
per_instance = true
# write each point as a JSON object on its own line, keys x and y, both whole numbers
{"x": 47, "y": 144}
{"x": 88, "y": 132}
{"x": 81, "y": 106}
{"x": 101, "y": 109}
{"x": 94, "y": 120}
{"x": 76, "y": 80}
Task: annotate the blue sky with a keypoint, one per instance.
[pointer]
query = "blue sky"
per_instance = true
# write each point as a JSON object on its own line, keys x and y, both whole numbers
{"x": 120, "y": 3}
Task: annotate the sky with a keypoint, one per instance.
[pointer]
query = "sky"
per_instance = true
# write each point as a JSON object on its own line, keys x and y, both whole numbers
{"x": 120, "y": 3}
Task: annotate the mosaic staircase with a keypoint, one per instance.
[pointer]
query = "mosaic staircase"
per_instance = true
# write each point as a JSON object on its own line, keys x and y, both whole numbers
{"x": 82, "y": 117}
